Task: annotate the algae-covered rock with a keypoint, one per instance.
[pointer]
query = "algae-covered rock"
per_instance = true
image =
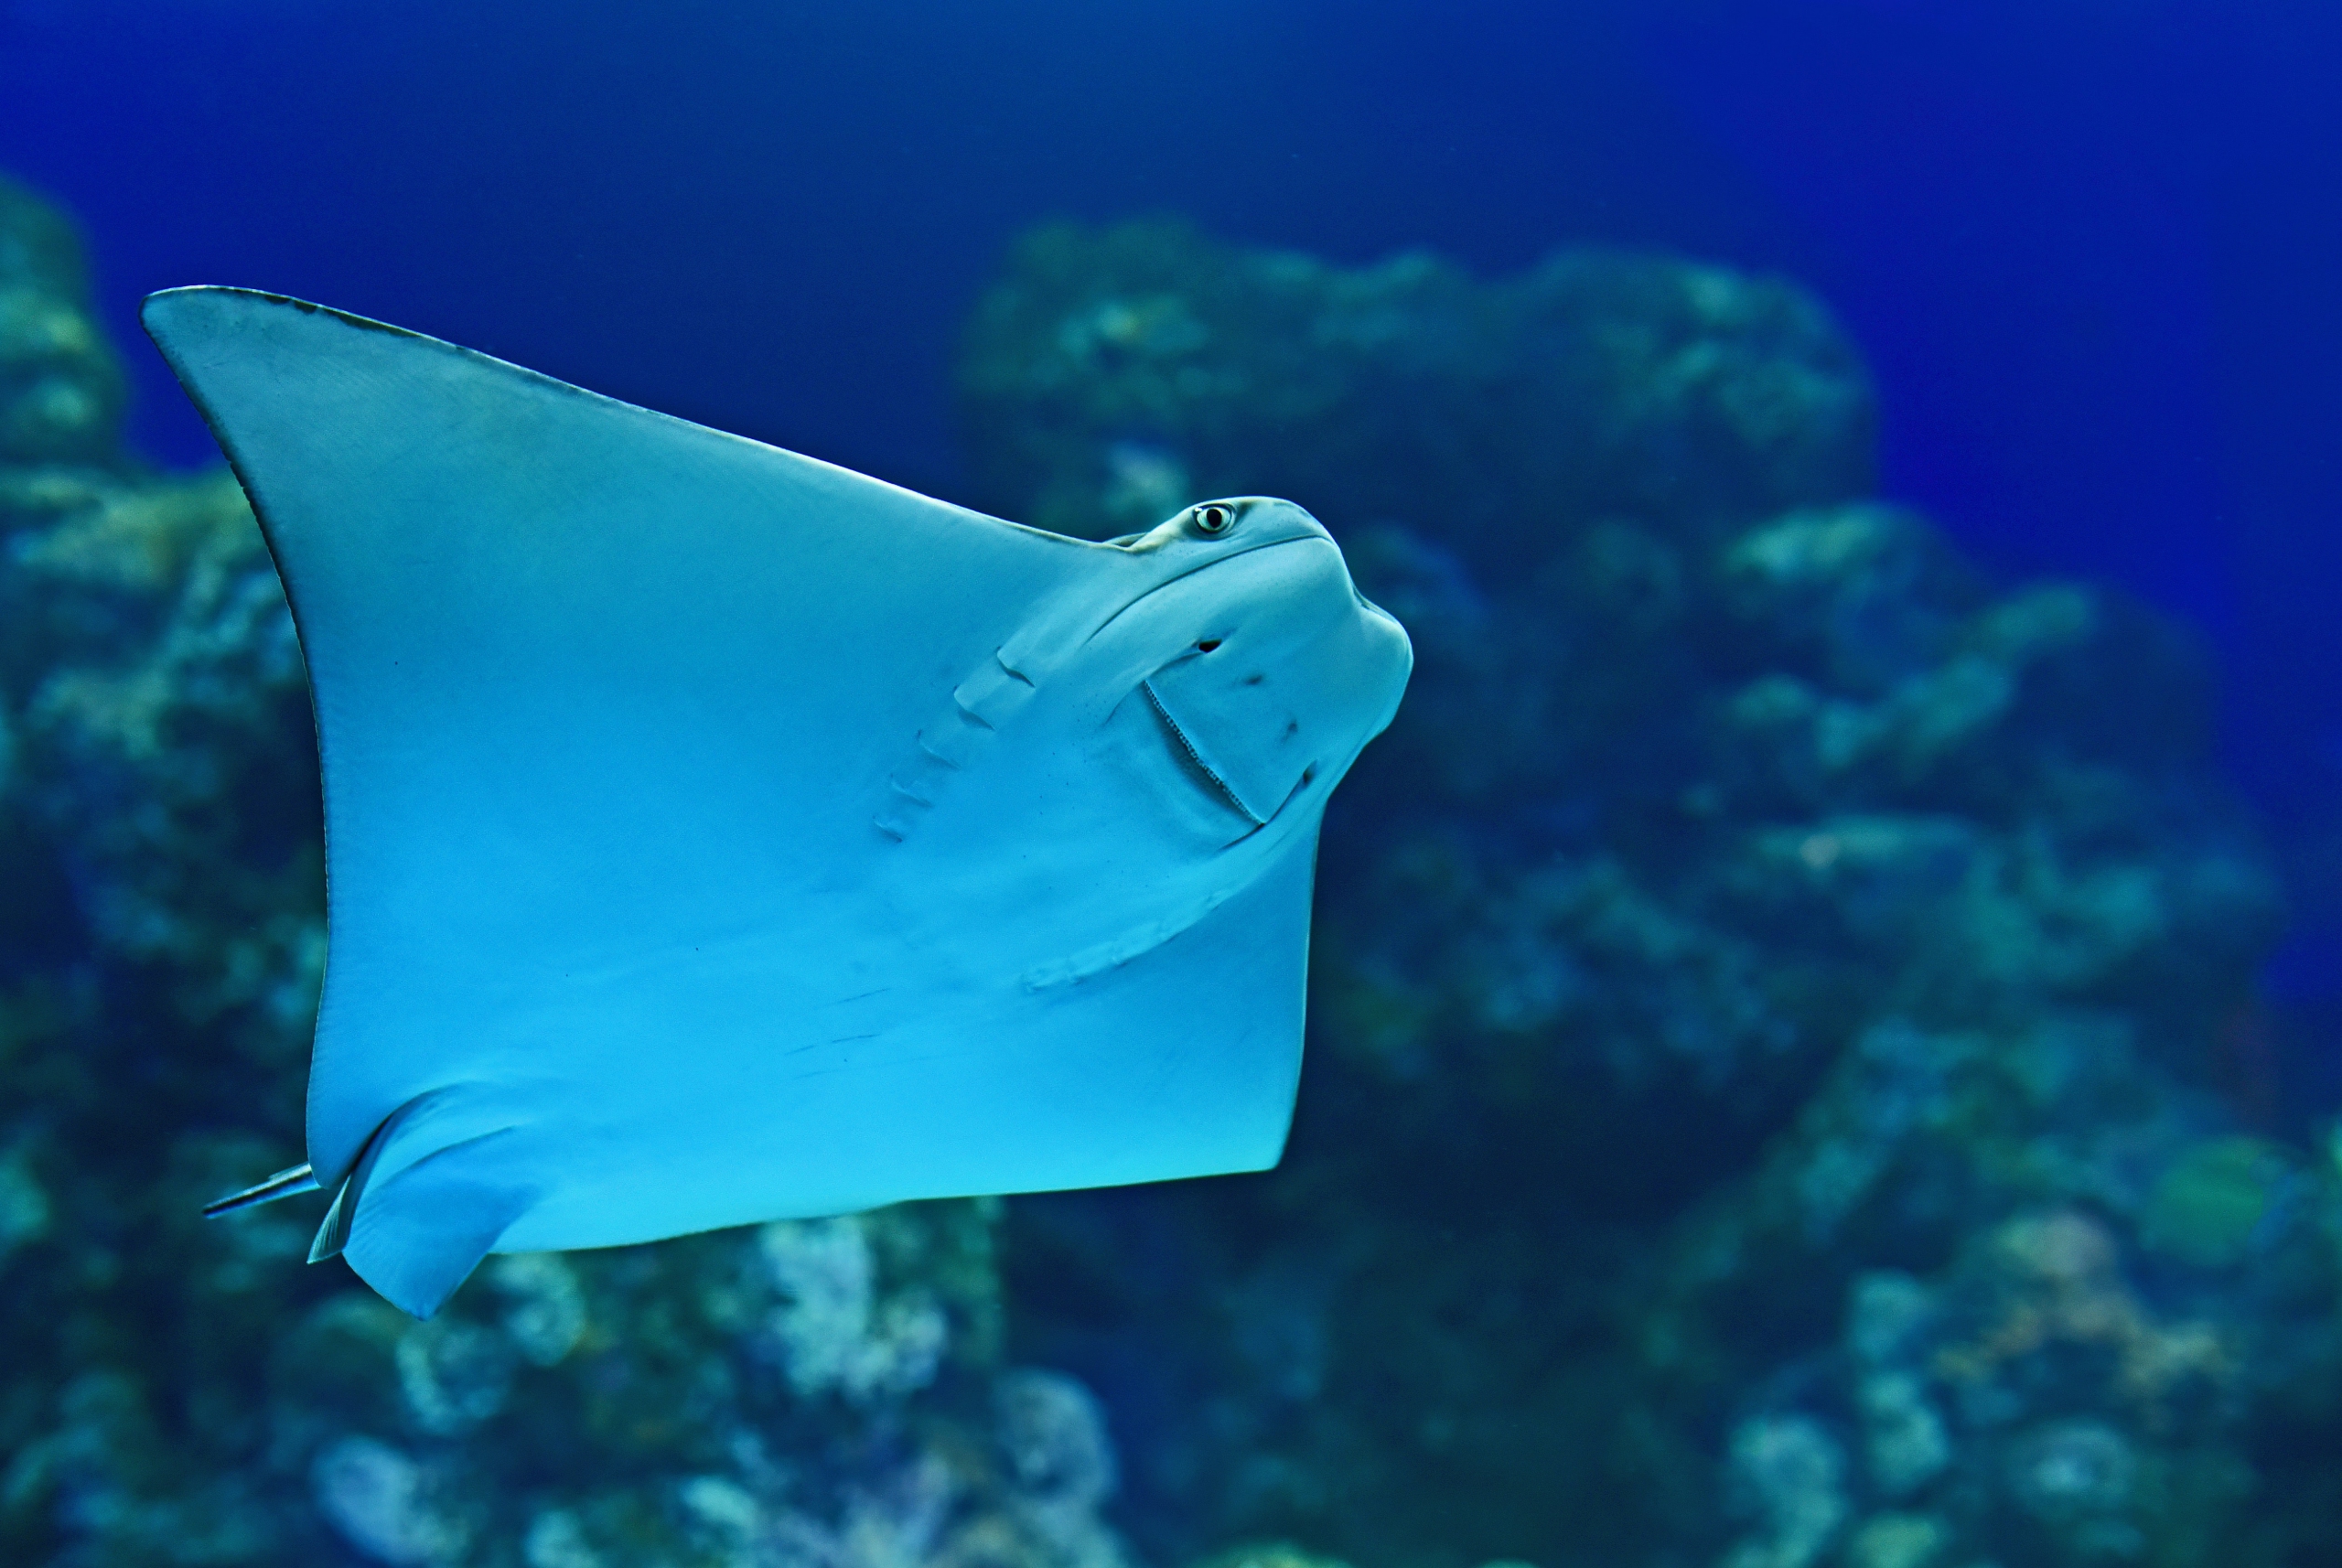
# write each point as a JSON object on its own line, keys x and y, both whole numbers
{"x": 2210, "y": 1203}
{"x": 60, "y": 390}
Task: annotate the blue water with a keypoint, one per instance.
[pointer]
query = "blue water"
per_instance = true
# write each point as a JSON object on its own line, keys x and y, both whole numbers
{"x": 2088, "y": 245}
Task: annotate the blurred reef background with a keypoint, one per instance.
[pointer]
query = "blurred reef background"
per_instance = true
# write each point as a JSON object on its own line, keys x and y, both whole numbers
{"x": 1786, "y": 1082}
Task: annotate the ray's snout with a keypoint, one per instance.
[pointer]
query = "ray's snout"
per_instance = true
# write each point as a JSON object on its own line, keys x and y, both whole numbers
{"x": 1289, "y": 680}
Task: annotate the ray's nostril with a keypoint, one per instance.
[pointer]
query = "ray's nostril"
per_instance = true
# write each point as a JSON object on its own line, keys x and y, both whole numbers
{"x": 1208, "y": 644}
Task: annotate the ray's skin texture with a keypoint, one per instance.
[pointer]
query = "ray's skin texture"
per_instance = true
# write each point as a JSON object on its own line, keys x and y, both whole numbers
{"x": 715, "y": 836}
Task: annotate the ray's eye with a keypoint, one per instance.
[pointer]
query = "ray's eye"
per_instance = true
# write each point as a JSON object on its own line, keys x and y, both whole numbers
{"x": 1215, "y": 518}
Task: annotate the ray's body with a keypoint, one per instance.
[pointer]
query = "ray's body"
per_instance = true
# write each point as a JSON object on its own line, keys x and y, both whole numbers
{"x": 715, "y": 836}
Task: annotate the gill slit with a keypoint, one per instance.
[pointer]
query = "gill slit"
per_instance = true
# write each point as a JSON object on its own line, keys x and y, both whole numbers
{"x": 1196, "y": 757}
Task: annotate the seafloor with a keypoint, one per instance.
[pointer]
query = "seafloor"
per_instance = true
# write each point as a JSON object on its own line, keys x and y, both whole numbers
{"x": 1786, "y": 1086}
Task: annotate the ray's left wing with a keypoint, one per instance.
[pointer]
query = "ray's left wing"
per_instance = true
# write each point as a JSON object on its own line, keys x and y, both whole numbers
{"x": 591, "y": 682}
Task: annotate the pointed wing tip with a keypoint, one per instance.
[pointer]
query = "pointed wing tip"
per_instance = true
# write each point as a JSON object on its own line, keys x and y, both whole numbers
{"x": 175, "y": 315}
{"x": 170, "y": 310}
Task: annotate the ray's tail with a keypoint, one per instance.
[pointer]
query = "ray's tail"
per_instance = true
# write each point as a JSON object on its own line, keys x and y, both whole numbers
{"x": 284, "y": 1184}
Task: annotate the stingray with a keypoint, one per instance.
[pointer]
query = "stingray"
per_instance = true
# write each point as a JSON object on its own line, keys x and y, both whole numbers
{"x": 714, "y": 835}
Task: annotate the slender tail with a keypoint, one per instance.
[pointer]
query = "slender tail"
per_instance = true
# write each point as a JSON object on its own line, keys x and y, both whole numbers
{"x": 284, "y": 1184}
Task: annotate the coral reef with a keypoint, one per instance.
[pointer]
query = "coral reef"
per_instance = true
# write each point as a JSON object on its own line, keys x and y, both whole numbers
{"x": 1779, "y": 1013}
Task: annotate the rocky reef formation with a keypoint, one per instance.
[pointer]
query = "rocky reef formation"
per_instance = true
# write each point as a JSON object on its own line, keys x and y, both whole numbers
{"x": 1783, "y": 1060}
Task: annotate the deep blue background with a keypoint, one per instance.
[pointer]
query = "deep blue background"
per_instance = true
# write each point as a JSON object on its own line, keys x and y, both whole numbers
{"x": 2093, "y": 247}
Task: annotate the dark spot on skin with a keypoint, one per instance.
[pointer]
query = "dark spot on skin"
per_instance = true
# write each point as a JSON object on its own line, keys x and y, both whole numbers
{"x": 1293, "y": 726}
{"x": 1309, "y": 774}
{"x": 1254, "y": 680}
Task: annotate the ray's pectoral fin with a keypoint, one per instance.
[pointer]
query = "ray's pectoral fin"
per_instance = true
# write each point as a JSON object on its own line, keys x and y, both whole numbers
{"x": 414, "y": 1220}
{"x": 421, "y": 1233}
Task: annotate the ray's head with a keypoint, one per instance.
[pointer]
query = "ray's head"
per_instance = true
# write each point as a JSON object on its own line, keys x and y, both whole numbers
{"x": 1265, "y": 665}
